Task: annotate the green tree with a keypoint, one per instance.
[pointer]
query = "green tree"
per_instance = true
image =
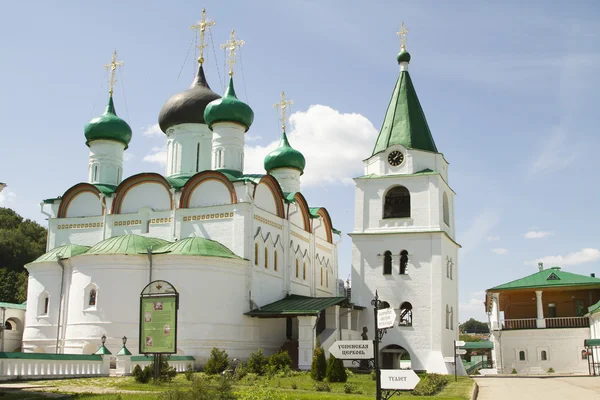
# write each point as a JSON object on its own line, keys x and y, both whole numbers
{"x": 468, "y": 338}
{"x": 21, "y": 241}
{"x": 474, "y": 326}
{"x": 318, "y": 368}
{"x": 335, "y": 370}
{"x": 217, "y": 363}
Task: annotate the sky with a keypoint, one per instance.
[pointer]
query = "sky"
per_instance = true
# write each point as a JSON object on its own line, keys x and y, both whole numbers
{"x": 510, "y": 90}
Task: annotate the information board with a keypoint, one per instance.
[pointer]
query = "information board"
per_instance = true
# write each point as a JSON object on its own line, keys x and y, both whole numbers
{"x": 158, "y": 325}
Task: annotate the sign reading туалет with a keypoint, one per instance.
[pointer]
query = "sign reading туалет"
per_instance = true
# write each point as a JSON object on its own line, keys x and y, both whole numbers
{"x": 352, "y": 349}
{"x": 399, "y": 379}
{"x": 158, "y": 324}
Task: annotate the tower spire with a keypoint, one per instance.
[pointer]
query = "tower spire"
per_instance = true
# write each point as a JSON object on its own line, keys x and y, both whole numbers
{"x": 402, "y": 33}
{"x": 230, "y": 45}
{"x": 200, "y": 27}
{"x": 283, "y": 106}
{"x": 114, "y": 64}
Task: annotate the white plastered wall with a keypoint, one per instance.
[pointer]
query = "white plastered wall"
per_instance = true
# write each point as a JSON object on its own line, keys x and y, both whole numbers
{"x": 189, "y": 148}
{"x": 147, "y": 194}
{"x": 85, "y": 204}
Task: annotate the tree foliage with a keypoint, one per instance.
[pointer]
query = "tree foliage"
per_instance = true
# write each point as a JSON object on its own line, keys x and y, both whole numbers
{"x": 318, "y": 368}
{"x": 335, "y": 370}
{"x": 21, "y": 241}
{"x": 474, "y": 326}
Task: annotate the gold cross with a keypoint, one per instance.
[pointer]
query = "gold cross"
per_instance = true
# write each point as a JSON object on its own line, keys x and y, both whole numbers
{"x": 231, "y": 45}
{"x": 201, "y": 26}
{"x": 113, "y": 67}
{"x": 283, "y": 105}
{"x": 402, "y": 33}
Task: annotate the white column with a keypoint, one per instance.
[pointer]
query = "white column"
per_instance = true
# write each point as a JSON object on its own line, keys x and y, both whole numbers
{"x": 288, "y": 178}
{"x": 541, "y": 322}
{"x": 105, "y": 165}
{"x": 228, "y": 146}
{"x": 306, "y": 341}
{"x": 495, "y": 317}
{"x": 189, "y": 149}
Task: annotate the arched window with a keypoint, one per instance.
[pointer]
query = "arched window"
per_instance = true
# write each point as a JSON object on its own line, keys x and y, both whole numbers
{"x": 543, "y": 355}
{"x": 446, "y": 209}
{"x": 304, "y": 270}
{"x": 321, "y": 276}
{"x": 275, "y": 260}
{"x": 387, "y": 262}
{"x": 256, "y": 254}
{"x": 447, "y": 317}
{"x": 405, "y": 314}
{"x": 297, "y": 268}
{"x": 521, "y": 355}
{"x": 403, "y": 261}
{"x": 266, "y": 258}
{"x": 8, "y": 326}
{"x": 92, "y": 297}
{"x": 326, "y": 278}
{"x": 397, "y": 203}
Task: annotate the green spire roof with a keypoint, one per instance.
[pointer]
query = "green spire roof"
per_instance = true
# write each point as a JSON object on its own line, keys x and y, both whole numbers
{"x": 228, "y": 109}
{"x": 285, "y": 156}
{"x": 62, "y": 252}
{"x": 127, "y": 244}
{"x": 552, "y": 277}
{"x": 103, "y": 351}
{"x": 108, "y": 126}
{"x": 197, "y": 246}
{"x": 404, "y": 121}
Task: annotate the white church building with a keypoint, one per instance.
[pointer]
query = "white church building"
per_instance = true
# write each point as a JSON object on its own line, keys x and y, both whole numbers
{"x": 255, "y": 265}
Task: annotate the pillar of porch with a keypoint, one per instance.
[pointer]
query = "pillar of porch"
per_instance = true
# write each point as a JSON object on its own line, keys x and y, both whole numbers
{"x": 306, "y": 341}
{"x": 495, "y": 316}
{"x": 540, "y": 322}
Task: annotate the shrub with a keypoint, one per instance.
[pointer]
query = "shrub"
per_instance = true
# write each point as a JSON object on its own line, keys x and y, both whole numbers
{"x": 217, "y": 362}
{"x": 167, "y": 373}
{"x": 322, "y": 387}
{"x": 142, "y": 375}
{"x": 373, "y": 375}
{"x": 240, "y": 371}
{"x": 335, "y": 370}
{"x": 550, "y": 370}
{"x": 350, "y": 388}
{"x": 514, "y": 371}
{"x": 224, "y": 389}
{"x": 189, "y": 372}
{"x": 280, "y": 360}
{"x": 257, "y": 363}
{"x": 262, "y": 392}
{"x": 294, "y": 385}
{"x": 318, "y": 368}
{"x": 430, "y": 385}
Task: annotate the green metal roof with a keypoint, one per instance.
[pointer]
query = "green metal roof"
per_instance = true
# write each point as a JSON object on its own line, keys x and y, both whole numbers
{"x": 405, "y": 121}
{"x": 108, "y": 126}
{"x": 314, "y": 212}
{"x": 593, "y": 309}
{"x": 50, "y": 201}
{"x": 547, "y": 278}
{"x": 13, "y": 305}
{"x": 106, "y": 189}
{"x": 295, "y": 305}
{"x": 228, "y": 109}
{"x": 285, "y": 156}
{"x": 197, "y": 246}
{"x": 102, "y": 351}
{"x": 591, "y": 342}
{"x": 45, "y": 356}
{"x": 124, "y": 352}
{"x": 486, "y": 344}
{"x": 178, "y": 181}
{"x": 62, "y": 252}
{"x": 127, "y": 244}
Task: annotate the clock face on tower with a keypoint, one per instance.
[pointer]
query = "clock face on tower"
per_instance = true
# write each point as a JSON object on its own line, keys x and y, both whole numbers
{"x": 395, "y": 158}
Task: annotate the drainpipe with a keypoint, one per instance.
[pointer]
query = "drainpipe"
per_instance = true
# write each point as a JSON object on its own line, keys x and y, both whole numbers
{"x": 149, "y": 250}
{"x": 62, "y": 282}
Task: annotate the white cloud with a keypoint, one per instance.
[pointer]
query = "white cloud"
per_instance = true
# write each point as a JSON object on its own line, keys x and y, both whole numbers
{"x": 474, "y": 307}
{"x": 538, "y": 234}
{"x": 153, "y": 130}
{"x": 555, "y": 154}
{"x": 500, "y": 251}
{"x": 575, "y": 258}
{"x": 484, "y": 222}
{"x": 252, "y": 138}
{"x": 157, "y": 155}
{"x": 128, "y": 156}
{"x": 6, "y": 197}
{"x": 318, "y": 133}
{"x": 493, "y": 238}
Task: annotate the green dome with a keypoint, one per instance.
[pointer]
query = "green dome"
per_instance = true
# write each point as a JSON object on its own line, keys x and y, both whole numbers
{"x": 108, "y": 126}
{"x": 284, "y": 156}
{"x": 403, "y": 56}
{"x": 196, "y": 246}
{"x": 127, "y": 244}
{"x": 228, "y": 109}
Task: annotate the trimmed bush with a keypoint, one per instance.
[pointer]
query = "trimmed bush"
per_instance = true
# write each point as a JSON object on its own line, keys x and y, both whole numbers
{"x": 279, "y": 361}
{"x": 257, "y": 363}
{"x": 335, "y": 370}
{"x": 217, "y": 363}
{"x": 189, "y": 372}
{"x": 142, "y": 375}
{"x": 318, "y": 368}
{"x": 322, "y": 387}
{"x": 350, "y": 388}
{"x": 430, "y": 384}
{"x": 167, "y": 373}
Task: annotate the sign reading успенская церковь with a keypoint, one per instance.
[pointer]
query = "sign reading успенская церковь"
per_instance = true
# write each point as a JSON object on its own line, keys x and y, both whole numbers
{"x": 352, "y": 349}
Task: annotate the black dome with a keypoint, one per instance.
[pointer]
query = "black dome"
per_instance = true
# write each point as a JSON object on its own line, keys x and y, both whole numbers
{"x": 187, "y": 107}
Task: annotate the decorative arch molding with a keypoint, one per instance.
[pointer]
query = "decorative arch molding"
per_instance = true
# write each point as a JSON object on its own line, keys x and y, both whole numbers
{"x": 324, "y": 214}
{"x": 268, "y": 238}
{"x": 304, "y": 210}
{"x": 323, "y": 261}
{"x": 298, "y": 251}
{"x": 201, "y": 177}
{"x": 135, "y": 180}
{"x": 72, "y": 193}
{"x": 275, "y": 189}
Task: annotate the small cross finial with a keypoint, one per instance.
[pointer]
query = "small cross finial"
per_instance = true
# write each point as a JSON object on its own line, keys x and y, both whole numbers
{"x": 201, "y": 26}
{"x": 231, "y": 44}
{"x": 283, "y": 106}
{"x": 402, "y": 33}
{"x": 114, "y": 64}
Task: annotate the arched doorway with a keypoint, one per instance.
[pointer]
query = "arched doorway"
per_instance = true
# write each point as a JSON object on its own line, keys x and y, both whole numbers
{"x": 395, "y": 357}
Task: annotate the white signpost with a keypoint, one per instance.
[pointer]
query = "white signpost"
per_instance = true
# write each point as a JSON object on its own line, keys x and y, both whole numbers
{"x": 352, "y": 349}
{"x": 448, "y": 359}
{"x": 399, "y": 379}
{"x": 386, "y": 318}
{"x": 460, "y": 352}
{"x": 459, "y": 343}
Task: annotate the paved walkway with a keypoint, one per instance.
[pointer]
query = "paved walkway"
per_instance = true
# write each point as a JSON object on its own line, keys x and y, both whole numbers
{"x": 559, "y": 388}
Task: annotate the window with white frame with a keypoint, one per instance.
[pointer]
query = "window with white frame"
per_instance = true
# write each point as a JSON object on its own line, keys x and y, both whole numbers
{"x": 90, "y": 297}
{"x": 43, "y": 304}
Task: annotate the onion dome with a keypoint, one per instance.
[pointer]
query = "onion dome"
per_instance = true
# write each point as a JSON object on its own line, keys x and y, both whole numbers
{"x": 229, "y": 109}
{"x": 187, "y": 107}
{"x": 403, "y": 56}
{"x": 285, "y": 156}
{"x": 108, "y": 126}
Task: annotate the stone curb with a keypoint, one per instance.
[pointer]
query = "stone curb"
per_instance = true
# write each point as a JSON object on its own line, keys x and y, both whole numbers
{"x": 475, "y": 391}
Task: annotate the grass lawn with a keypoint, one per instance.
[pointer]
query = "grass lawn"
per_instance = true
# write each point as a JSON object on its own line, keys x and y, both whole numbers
{"x": 106, "y": 388}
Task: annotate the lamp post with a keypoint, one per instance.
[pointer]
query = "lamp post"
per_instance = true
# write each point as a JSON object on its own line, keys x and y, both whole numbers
{"x": 124, "y": 340}
{"x": 103, "y": 339}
